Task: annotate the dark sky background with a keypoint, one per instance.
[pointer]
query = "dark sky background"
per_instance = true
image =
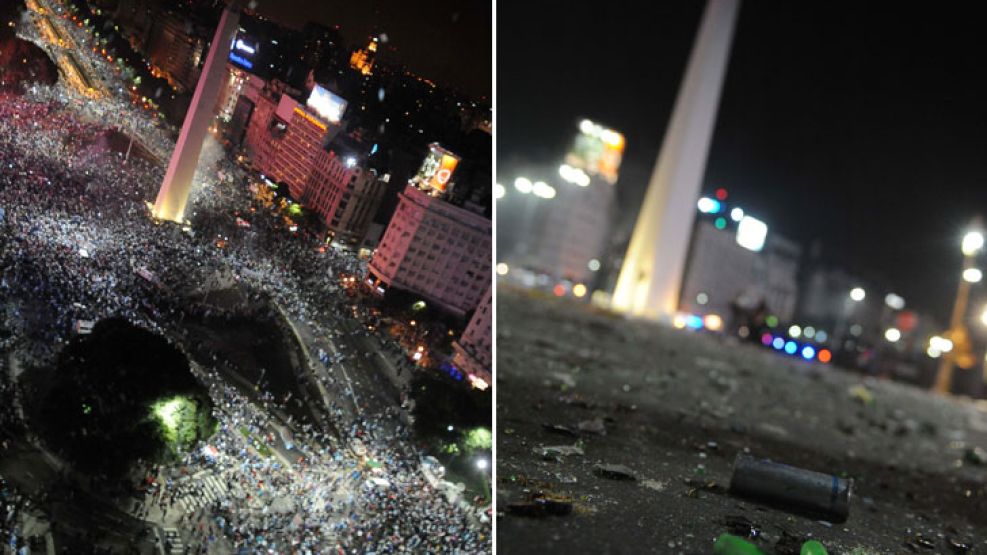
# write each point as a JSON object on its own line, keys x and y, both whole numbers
{"x": 447, "y": 41}
{"x": 861, "y": 124}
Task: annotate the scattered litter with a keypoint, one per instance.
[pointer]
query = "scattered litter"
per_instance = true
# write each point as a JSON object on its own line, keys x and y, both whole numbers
{"x": 741, "y": 526}
{"x": 656, "y": 485}
{"x": 614, "y": 472}
{"x": 555, "y": 451}
{"x": 566, "y": 379}
{"x": 728, "y": 544}
{"x": 861, "y": 394}
{"x": 594, "y": 426}
{"x": 790, "y": 487}
{"x": 559, "y": 429}
{"x": 540, "y": 507}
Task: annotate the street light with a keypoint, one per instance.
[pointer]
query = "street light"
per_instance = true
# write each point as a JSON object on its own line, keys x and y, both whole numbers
{"x": 857, "y": 294}
{"x": 482, "y": 464}
{"x": 523, "y": 184}
{"x": 892, "y": 335}
{"x": 972, "y": 242}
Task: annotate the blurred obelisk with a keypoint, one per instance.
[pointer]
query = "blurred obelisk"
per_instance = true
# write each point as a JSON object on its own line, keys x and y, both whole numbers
{"x": 651, "y": 275}
{"x": 173, "y": 195}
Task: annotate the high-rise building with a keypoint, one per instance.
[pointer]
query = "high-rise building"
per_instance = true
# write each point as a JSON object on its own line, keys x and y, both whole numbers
{"x": 436, "y": 250}
{"x": 720, "y": 272}
{"x": 176, "y": 49}
{"x": 344, "y": 190}
{"x": 322, "y": 45}
{"x": 473, "y": 353}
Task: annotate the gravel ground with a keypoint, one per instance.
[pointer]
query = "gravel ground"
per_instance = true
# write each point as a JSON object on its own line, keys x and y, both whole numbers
{"x": 675, "y": 407}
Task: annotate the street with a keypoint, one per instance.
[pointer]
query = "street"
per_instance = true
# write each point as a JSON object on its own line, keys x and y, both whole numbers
{"x": 581, "y": 388}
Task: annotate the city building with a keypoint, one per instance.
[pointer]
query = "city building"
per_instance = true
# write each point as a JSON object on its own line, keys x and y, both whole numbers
{"x": 322, "y": 45}
{"x": 345, "y": 190}
{"x": 720, "y": 273}
{"x": 436, "y": 250}
{"x": 176, "y": 48}
{"x": 473, "y": 352}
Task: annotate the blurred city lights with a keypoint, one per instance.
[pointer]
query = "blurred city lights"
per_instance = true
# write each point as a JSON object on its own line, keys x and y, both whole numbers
{"x": 751, "y": 233}
{"x": 708, "y": 206}
{"x": 523, "y": 184}
{"x": 720, "y": 223}
{"x": 766, "y": 339}
{"x": 737, "y": 214}
{"x": 482, "y": 464}
{"x": 933, "y": 352}
{"x": 795, "y": 331}
{"x": 771, "y": 320}
{"x": 558, "y": 290}
{"x": 894, "y": 301}
{"x": 808, "y": 353}
{"x": 503, "y": 269}
{"x": 713, "y": 322}
{"x": 678, "y": 321}
{"x": 821, "y": 336}
{"x": 574, "y": 175}
{"x": 856, "y": 330}
{"x": 593, "y": 265}
{"x": 543, "y": 190}
{"x": 721, "y": 194}
{"x": 499, "y": 190}
{"x": 702, "y": 298}
{"x": 983, "y": 316}
{"x": 892, "y": 335}
{"x": 825, "y": 355}
{"x": 791, "y": 347}
{"x": 972, "y": 242}
{"x": 694, "y": 322}
{"x": 857, "y": 294}
{"x": 972, "y": 275}
{"x": 778, "y": 343}
{"x": 809, "y": 332}
{"x": 940, "y": 344}
{"x": 579, "y": 290}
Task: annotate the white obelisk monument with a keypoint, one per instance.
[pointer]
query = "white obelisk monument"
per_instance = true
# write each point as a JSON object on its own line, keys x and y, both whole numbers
{"x": 173, "y": 195}
{"x": 651, "y": 275}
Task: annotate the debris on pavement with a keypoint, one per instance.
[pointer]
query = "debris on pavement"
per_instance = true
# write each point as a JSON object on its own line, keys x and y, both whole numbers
{"x": 614, "y": 472}
{"x": 976, "y": 455}
{"x": 557, "y": 451}
{"x": 792, "y": 488}
{"x": 560, "y": 429}
{"x": 728, "y": 544}
{"x": 594, "y": 426}
{"x": 540, "y": 506}
{"x": 862, "y": 394}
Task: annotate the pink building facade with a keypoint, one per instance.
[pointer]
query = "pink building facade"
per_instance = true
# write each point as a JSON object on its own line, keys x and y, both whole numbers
{"x": 436, "y": 250}
{"x": 474, "y": 350}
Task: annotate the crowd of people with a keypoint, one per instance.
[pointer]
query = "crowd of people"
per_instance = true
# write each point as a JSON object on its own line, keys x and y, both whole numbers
{"x": 77, "y": 243}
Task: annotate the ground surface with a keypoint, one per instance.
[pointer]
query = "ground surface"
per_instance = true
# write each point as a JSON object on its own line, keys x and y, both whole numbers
{"x": 663, "y": 395}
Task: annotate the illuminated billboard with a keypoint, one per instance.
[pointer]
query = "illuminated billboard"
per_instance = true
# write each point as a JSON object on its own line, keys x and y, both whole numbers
{"x": 597, "y": 151}
{"x": 437, "y": 169}
{"x": 329, "y": 106}
{"x": 242, "y": 52}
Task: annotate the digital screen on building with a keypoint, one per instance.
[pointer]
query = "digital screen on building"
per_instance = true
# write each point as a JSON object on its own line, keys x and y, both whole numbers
{"x": 438, "y": 167}
{"x": 329, "y": 106}
{"x": 597, "y": 151}
{"x": 242, "y": 52}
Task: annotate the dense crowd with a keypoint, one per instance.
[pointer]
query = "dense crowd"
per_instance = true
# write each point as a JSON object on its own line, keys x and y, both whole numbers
{"x": 77, "y": 244}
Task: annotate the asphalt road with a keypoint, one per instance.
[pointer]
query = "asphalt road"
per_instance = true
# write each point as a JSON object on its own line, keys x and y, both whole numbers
{"x": 676, "y": 407}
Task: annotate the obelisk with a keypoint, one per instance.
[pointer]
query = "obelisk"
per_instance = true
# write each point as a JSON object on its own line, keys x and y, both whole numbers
{"x": 651, "y": 275}
{"x": 173, "y": 195}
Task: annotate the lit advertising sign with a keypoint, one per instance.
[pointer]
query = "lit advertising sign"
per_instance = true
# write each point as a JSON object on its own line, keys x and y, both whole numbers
{"x": 597, "y": 151}
{"x": 241, "y": 52}
{"x": 438, "y": 167}
{"x": 328, "y": 105}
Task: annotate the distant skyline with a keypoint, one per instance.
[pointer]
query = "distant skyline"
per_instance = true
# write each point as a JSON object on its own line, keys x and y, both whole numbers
{"x": 851, "y": 123}
{"x": 449, "y": 42}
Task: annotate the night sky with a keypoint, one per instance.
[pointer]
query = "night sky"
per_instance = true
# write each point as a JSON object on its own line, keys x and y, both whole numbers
{"x": 861, "y": 124}
{"x": 447, "y": 41}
